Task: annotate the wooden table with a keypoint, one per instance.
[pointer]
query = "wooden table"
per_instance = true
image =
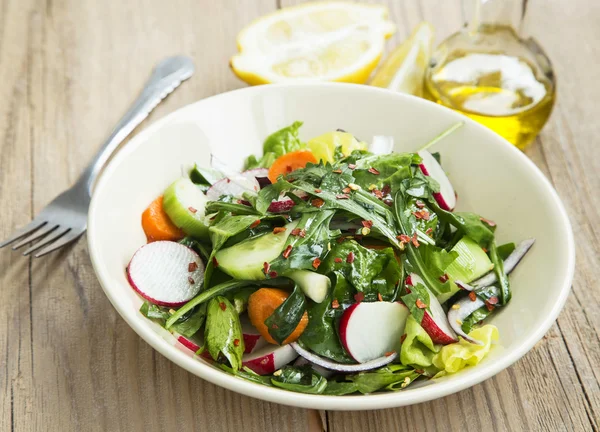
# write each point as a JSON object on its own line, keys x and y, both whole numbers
{"x": 68, "y": 362}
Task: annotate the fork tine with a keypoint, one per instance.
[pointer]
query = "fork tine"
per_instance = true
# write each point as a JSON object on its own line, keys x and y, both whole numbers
{"x": 39, "y": 233}
{"x": 33, "y": 225}
{"x": 47, "y": 240}
{"x": 71, "y": 236}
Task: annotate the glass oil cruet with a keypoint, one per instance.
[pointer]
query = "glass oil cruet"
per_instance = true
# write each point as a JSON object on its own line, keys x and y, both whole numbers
{"x": 488, "y": 72}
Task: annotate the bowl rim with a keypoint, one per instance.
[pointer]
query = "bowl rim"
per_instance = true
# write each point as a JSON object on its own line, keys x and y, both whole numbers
{"x": 350, "y": 402}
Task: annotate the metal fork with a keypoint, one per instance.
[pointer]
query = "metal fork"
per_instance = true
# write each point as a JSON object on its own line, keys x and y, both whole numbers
{"x": 65, "y": 218}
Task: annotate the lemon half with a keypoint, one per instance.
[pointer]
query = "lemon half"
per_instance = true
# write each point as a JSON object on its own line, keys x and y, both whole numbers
{"x": 331, "y": 41}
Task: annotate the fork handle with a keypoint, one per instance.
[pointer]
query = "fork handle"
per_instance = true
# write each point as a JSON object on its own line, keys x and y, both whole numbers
{"x": 166, "y": 77}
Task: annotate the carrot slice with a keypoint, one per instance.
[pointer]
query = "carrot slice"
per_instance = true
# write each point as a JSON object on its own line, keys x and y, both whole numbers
{"x": 289, "y": 162}
{"x": 261, "y": 306}
{"x": 157, "y": 225}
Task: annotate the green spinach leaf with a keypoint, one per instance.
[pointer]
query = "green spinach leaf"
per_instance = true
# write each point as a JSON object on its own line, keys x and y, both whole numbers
{"x": 223, "y": 332}
{"x": 503, "y": 281}
{"x": 287, "y": 316}
{"x": 301, "y": 379}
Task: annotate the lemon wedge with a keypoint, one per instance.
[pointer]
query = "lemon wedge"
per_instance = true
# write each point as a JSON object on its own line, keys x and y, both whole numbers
{"x": 404, "y": 69}
{"x": 331, "y": 41}
{"x": 324, "y": 146}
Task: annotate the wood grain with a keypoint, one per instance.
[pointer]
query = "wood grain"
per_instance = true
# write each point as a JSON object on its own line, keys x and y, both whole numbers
{"x": 68, "y": 362}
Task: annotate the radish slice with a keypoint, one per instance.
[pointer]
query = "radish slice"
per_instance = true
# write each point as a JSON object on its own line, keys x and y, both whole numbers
{"x": 268, "y": 359}
{"x": 434, "y": 320}
{"x": 234, "y": 185}
{"x": 166, "y": 273}
{"x": 509, "y": 264}
{"x": 446, "y": 197}
{"x": 260, "y": 174}
{"x": 381, "y": 145}
{"x": 192, "y": 343}
{"x": 252, "y": 338}
{"x": 341, "y": 367}
{"x": 370, "y": 330}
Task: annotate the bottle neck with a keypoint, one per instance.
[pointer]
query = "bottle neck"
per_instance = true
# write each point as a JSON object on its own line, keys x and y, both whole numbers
{"x": 508, "y": 13}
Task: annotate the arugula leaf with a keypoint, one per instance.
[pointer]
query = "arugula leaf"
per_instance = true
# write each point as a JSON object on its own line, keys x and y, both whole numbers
{"x": 472, "y": 320}
{"x": 302, "y": 379}
{"x": 468, "y": 224}
{"x": 228, "y": 227}
{"x": 505, "y": 250}
{"x": 392, "y": 169}
{"x": 503, "y": 281}
{"x": 247, "y": 374}
{"x": 417, "y": 292}
{"x": 238, "y": 209}
{"x": 188, "y": 325}
{"x": 206, "y": 295}
{"x": 198, "y": 247}
{"x": 223, "y": 332}
{"x": 393, "y": 377}
{"x": 284, "y": 320}
{"x": 277, "y": 144}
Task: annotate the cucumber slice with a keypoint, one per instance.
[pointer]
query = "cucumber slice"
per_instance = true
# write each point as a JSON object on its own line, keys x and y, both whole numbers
{"x": 472, "y": 262}
{"x": 184, "y": 203}
{"x": 314, "y": 285}
{"x": 245, "y": 261}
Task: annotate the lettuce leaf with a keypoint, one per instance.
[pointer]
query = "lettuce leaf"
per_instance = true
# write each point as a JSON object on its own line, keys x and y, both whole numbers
{"x": 455, "y": 357}
{"x": 277, "y": 144}
{"x": 417, "y": 349}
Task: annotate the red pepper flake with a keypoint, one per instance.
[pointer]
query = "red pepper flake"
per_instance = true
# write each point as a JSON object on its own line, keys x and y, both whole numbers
{"x": 213, "y": 218}
{"x": 373, "y": 171}
{"x": 335, "y": 304}
{"x": 420, "y": 371}
{"x": 288, "y": 169}
{"x": 420, "y": 204}
{"x": 295, "y": 232}
{"x": 359, "y": 296}
{"x": 192, "y": 267}
{"x": 403, "y": 238}
{"x": 215, "y": 262}
{"x": 351, "y": 166}
{"x": 255, "y": 223}
{"x": 386, "y": 189}
{"x": 487, "y": 221}
{"x": 389, "y": 353}
{"x": 302, "y": 233}
{"x": 287, "y": 251}
{"x": 317, "y": 202}
{"x": 316, "y": 263}
{"x": 240, "y": 201}
{"x": 318, "y": 191}
{"x": 274, "y": 326}
{"x": 472, "y": 296}
{"x": 222, "y": 306}
{"x": 484, "y": 250}
{"x": 191, "y": 281}
{"x": 236, "y": 342}
{"x": 420, "y": 304}
{"x": 388, "y": 202}
{"x": 228, "y": 180}
{"x": 490, "y": 307}
{"x": 379, "y": 297}
{"x": 338, "y": 260}
{"x": 429, "y": 231}
{"x": 367, "y": 223}
{"x": 337, "y": 171}
{"x": 444, "y": 278}
{"x": 278, "y": 230}
{"x": 403, "y": 338}
{"x": 350, "y": 258}
{"x": 408, "y": 281}
{"x": 342, "y": 196}
{"x": 266, "y": 267}
{"x": 192, "y": 209}
{"x": 341, "y": 239}
{"x": 378, "y": 193}
{"x": 493, "y": 300}
{"x": 273, "y": 274}
{"x": 415, "y": 241}
{"x": 346, "y": 190}
{"x": 421, "y": 214}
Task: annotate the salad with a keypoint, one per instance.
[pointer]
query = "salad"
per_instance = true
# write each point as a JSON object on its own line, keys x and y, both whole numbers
{"x": 331, "y": 266}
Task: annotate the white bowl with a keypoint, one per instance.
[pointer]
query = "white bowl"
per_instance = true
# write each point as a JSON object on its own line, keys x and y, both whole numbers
{"x": 491, "y": 176}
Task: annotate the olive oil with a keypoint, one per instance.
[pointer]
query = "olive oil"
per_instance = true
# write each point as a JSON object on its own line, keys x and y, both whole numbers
{"x": 496, "y": 79}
